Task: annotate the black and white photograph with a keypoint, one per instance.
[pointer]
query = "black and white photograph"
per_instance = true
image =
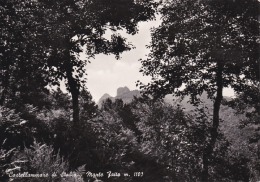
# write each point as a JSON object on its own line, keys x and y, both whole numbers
{"x": 129, "y": 91}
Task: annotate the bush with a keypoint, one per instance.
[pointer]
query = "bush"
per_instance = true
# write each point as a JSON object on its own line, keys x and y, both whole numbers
{"x": 40, "y": 159}
{"x": 14, "y": 130}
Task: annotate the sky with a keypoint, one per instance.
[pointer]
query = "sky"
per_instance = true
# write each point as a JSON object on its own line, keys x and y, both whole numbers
{"x": 105, "y": 73}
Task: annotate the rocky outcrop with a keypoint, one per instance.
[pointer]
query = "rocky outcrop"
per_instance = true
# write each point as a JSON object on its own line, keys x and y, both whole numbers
{"x": 123, "y": 93}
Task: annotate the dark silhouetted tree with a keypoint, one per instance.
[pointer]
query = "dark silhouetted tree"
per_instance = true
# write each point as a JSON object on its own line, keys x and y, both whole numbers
{"x": 204, "y": 46}
{"x": 21, "y": 73}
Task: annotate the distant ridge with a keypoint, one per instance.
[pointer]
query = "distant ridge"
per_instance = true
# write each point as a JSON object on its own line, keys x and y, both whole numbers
{"x": 185, "y": 104}
{"x": 127, "y": 96}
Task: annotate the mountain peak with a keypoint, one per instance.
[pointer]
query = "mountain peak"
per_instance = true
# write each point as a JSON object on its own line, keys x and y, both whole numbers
{"x": 122, "y": 91}
{"x": 104, "y": 97}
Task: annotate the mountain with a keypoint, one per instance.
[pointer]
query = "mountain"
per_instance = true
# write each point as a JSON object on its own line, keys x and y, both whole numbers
{"x": 185, "y": 102}
{"x": 123, "y": 93}
{"x": 104, "y": 97}
{"x": 127, "y": 96}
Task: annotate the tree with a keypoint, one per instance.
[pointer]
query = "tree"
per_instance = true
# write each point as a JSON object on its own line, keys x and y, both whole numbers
{"x": 20, "y": 67}
{"x": 120, "y": 142}
{"x": 204, "y": 46}
{"x": 89, "y": 107}
{"x": 57, "y": 32}
{"x": 247, "y": 104}
{"x": 74, "y": 24}
{"x": 168, "y": 138}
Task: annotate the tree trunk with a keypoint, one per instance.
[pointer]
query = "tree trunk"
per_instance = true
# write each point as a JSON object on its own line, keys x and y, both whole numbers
{"x": 73, "y": 85}
{"x": 214, "y": 130}
{"x": 74, "y": 90}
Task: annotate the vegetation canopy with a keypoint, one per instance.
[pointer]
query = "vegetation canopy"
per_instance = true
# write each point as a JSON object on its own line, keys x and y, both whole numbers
{"x": 204, "y": 46}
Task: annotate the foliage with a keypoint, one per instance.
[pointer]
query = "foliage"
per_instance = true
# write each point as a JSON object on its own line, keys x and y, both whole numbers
{"x": 204, "y": 46}
{"x": 146, "y": 135}
{"x": 160, "y": 140}
{"x": 168, "y": 136}
{"x": 247, "y": 105}
{"x": 88, "y": 106}
{"x": 41, "y": 159}
{"x": 193, "y": 37}
{"x": 54, "y": 34}
{"x": 7, "y": 164}
{"x": 21, "y": 69}
{"x": 14, "y": 130}
{"x": 113, "y": 138}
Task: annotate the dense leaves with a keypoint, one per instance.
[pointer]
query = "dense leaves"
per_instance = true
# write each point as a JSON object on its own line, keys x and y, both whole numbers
{"x": 49, "y": 37}
{"x": 200, "y": 47}
{"x": 196, "y": 35}
{"x": 204, "y": 46}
